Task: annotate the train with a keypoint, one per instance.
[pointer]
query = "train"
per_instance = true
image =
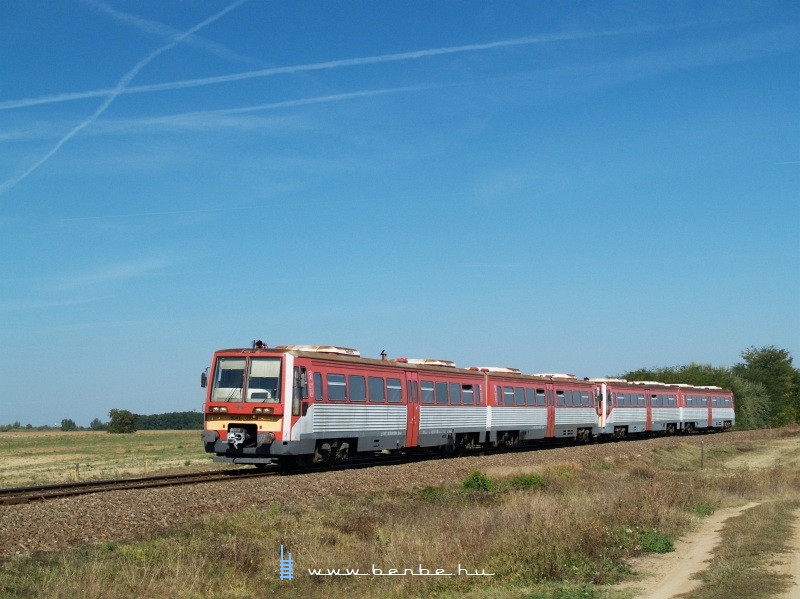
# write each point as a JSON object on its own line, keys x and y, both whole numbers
{"x": 314, "y": 404}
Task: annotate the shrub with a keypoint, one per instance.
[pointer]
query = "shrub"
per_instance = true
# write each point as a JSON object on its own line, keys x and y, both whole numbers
{"x": 478, "y": 481}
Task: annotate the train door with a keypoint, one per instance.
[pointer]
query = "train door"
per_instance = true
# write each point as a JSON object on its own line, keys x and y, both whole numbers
{"x": 412, "y": 401}
{"x": 648, "y": 402}
{"x": 551, "y": 410}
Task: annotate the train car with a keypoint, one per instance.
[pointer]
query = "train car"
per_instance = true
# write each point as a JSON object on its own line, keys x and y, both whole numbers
{"x": 317, "y": 404}
{"x": 452, "y": 408}
{"x": 629, "y": 407}
{"x": 323, "y": 403}
{"x": 539, "y": 406}
{"x": 707, "y": 407}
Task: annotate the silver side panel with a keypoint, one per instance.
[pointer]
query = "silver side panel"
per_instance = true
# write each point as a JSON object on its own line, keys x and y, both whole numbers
{"x": 625, "y": 415}
{"x": 666, "y": 414}
{"x": 324, "y": 419}
{"x": 695, "y": 415}
{"x": 586, "y": 416}
{"x": 513, "y": 417}
{"x": 432, "y": 419}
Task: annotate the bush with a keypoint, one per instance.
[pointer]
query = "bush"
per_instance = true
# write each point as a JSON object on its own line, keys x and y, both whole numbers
{"x": 478, "y": 481}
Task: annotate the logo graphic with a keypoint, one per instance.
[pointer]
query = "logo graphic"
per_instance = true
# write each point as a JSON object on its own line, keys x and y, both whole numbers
{"x": 287, "y": 566}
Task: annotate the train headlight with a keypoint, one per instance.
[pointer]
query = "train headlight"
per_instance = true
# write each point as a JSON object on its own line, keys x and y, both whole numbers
{"x": 262, "y": 411}
{"x": 219, "y": 409}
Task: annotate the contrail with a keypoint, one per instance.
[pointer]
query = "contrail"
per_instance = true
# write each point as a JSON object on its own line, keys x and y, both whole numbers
{"x": 318, "y": 66}
{"x": 156, "y": 28}
{"x": 112, "y": 94}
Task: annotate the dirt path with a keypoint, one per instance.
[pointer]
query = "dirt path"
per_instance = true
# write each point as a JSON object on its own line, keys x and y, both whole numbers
{"x": 790, "y": 563}
{"x": 671, "y": 574}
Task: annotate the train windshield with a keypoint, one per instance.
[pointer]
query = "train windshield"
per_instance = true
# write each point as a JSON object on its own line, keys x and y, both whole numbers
{"x": 263, "y": 380}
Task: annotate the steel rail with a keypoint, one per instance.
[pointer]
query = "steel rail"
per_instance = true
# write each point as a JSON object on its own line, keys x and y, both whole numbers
{"x": 16, "y": 495}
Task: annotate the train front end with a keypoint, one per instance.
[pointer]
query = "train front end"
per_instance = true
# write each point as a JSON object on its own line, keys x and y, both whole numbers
{"x": 249, "y": 405}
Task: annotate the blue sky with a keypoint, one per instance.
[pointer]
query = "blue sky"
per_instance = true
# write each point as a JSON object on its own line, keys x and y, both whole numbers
{"x": 550, "y": 186}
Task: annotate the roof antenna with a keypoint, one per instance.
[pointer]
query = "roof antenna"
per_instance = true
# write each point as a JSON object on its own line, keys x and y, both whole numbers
{"x": 383, "y": 354}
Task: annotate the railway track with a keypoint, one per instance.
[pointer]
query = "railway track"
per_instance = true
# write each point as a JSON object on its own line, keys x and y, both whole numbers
{"x": 15, "y": 495}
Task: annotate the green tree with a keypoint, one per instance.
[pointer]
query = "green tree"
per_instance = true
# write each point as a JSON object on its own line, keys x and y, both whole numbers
{"x": 772, "y": 367}
{"x": 752, "y": 403}
{"x": 121, "y": 421}
{"x": 68, "y": 425}
{"x": 691, "y": 374}
{"x": 97, "y": 425}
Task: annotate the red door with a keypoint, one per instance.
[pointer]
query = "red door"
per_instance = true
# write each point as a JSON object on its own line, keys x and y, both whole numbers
{"x": 551, "y": 411}
{"x": 412, "y": 400}
{"x": 648, "y": 402}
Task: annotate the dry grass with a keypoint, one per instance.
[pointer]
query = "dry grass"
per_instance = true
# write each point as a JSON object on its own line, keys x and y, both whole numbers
{"x": 566, "y": 535}
{"x": 47, "y": 457}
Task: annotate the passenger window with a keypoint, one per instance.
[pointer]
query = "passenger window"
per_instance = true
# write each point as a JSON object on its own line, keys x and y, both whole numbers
{"x": 395, "y": 390}
{"x": 337, "y": 387}
{"x": 377, "y": 393}
{"x": 441, "y": 393}
{"x": 427, "y": 392}
{"x": 455, "y": 393}
{"x": 519, "y": 396}
{"x": 358, "y": 388}
{"x": 467, "y": 394}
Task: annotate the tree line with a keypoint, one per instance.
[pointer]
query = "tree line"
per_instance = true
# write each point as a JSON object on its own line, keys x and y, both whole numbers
{"x": 123, "y": 421}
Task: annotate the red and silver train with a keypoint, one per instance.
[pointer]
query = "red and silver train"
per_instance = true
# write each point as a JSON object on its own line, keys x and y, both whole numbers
{"x": 323, "y": 403}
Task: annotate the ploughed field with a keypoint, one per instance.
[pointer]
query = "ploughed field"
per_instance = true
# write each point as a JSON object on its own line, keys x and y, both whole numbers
{"x": 122, "y": 515}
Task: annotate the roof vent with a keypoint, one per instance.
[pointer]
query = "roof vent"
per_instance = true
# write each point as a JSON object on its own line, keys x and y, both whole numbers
{"x": 322, "y": 349}
{"x": 498, "y": 369}
{"x": 431, "y": 362}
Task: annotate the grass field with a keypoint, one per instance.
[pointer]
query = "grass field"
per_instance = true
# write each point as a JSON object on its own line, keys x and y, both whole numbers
{"x": 566, "y": 532}
{"x": 47, "y": 457}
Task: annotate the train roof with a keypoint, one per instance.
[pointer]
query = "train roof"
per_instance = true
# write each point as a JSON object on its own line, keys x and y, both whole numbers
{"x": 353, "y": 356}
